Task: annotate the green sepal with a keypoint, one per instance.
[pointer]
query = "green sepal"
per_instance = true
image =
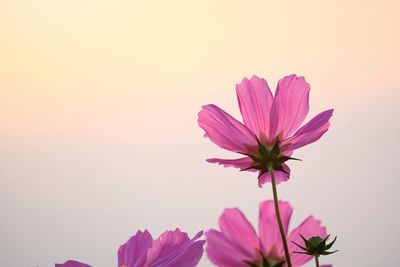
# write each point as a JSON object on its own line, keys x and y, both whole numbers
{"x": 251, "y": 167}
{"x": 254, "y": 158}
{"x": 275, "y": 151}
{"x": 328, "y": 252}
{"x": 283, "y": 159}
{"x": 263, "y": 150}
{"x": 265, "y": 263}
{"x": 328, "y": 246}
{"x": 315, "y": 246}
{"x": 267, "y": 159}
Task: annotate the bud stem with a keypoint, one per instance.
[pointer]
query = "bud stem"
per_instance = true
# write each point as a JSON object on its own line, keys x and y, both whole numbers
{"x": 316, "y": 261}
{"x": 278, "y": 217}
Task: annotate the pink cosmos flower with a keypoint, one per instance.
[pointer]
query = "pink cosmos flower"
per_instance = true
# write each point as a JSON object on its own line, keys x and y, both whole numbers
{"x": 72, "y": 263}
{"x": 171, "y": 249}
{"x": 237, "y": 244}
{"x": 270, "y": 130}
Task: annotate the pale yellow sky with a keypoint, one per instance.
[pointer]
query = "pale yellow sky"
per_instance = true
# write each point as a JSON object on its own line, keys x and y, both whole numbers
{"x": 94, "y": 92}
{"x": 61, "y": 54}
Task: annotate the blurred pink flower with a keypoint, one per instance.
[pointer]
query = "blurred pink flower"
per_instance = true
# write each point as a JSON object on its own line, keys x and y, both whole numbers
{"x": 171, "y": 249}
{"x": 71, "y": 263}
{"x": 237, "y": 244}
{"x": 270, "y": 132}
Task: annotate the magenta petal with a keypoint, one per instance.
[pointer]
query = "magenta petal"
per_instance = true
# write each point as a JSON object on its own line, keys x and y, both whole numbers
{"x": 224, "y": 130}
{"x": 279, "y": 176}
{"x": 255, "y": 101}
{"x": 270, "y": 237}
{"x": 222, "y": 252}
{"x": 174, "y": 248}
{"x": 310, "y": 227}
{"x": 134, "y": 252}
{"x": 238, "y": 230}
{"x": 290, "y": 106}
{"x": 311, "y": 131}
{"x": 241, "y": 163}
{"x": 72, "y": 263}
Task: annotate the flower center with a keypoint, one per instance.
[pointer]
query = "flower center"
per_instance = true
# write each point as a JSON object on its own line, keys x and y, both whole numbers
{"x": 267, "y": 158}
{"x": 266, "y": 263}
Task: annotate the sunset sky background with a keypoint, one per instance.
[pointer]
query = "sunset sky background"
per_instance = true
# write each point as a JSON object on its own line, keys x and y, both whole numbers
{"x": 99, "y": 134}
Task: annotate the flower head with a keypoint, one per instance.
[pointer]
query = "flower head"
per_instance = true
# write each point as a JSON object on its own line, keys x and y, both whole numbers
{"x": 72, "y": 263}
{"x": 171, "y": 249}
{"x": 237, "y": 243}
{"x": 270, "y": 131}
{"x": 316, "y": 246}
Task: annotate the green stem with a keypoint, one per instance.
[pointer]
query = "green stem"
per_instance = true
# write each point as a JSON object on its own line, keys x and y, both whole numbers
{"x": 278, "y": 217}
{"x": 316, "y": 261}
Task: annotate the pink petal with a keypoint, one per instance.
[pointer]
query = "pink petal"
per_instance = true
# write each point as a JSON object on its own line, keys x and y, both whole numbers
{"x": 224, "y": 130}
{"x": 279, "y": 176}
{"x": 240, "y": 163}
{"x": 310, "y": 132}
{"x": 238, "y": 230}
{"x": 310, "y": 227}
{"x": 268, "y": 226}
{"x": 255, "y": 101}
{"x": 222, "y": 252}
{"x": 72, "y": 263}
{"x": 134, "y": 252}
{"x": 174, "y": 248}
{"x": 290, "y": 106}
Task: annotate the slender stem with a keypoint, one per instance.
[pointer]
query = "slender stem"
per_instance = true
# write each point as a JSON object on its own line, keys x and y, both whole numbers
{"x": 316, "y": 261}
{"x": 278, "y": 217}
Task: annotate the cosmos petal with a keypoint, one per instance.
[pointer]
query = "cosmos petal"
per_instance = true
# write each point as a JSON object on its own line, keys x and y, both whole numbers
{"x": 255, "y": 101}
{"x": 174, "y": 248}
{"x": 241, "y": 163}
{"x": 279, "y": 176}
{"x": 290, "y": 106}
{"x": 224, "y": 130}
{"x": 238, "y": 230}
{"x": 134, "y": 252}
{"x": 270, "y": 237}
{"x": 311, "y": 131}
{"x": 222, "y": 252}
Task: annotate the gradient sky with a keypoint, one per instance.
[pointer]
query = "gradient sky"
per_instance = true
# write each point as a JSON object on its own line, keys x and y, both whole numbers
{"x": 99, "y": 137}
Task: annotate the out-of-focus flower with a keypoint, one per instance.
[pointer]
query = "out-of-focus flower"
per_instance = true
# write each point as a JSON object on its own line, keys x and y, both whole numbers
{"x": 270, "y": 130}
{"x": 72, "y": 263}
{"x": 237, "y": 244}
{"x": 171, "y": 249}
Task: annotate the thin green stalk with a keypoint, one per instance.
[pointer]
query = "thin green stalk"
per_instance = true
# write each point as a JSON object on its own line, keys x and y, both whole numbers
{"x": 316, "y": 261}
{"x": 278, "y": 217}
